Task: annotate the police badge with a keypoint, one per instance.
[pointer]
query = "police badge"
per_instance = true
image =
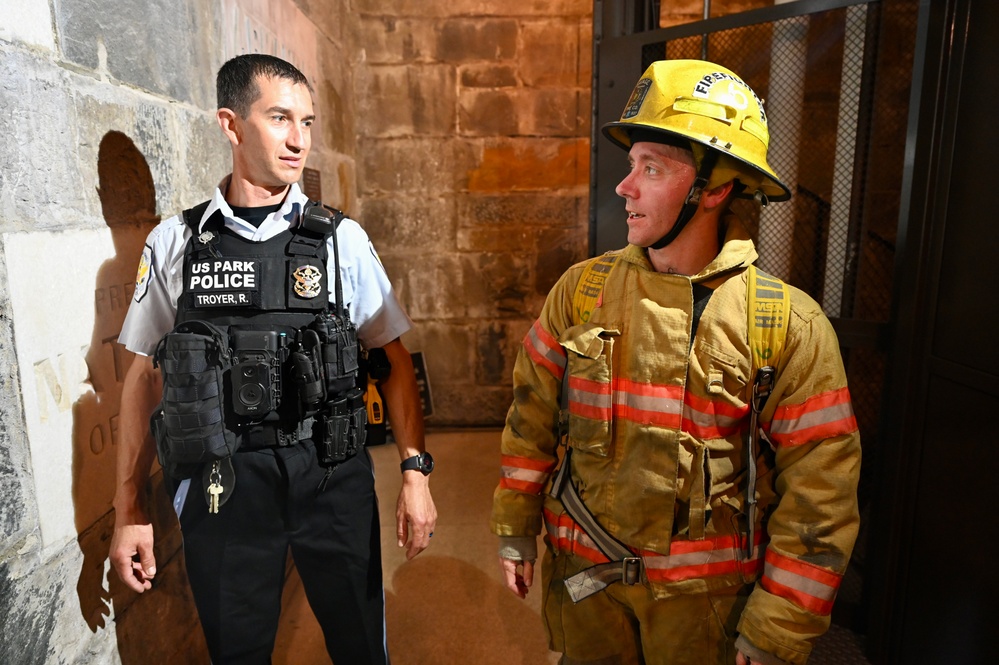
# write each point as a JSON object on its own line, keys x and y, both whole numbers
{"x": 307, "y": 281}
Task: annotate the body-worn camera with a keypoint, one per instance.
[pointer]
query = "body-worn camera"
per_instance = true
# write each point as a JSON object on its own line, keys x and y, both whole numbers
{"x": 255, "y": 377}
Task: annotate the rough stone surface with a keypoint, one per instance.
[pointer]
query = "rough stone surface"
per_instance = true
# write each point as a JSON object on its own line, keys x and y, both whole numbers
{"x": 549, "y": 53}
{"x": 414, "y": 224}
{"x": 391, "y": 40}
{"x": 405, "y": 100}
{"x": 500, "y": 175}
{"x": 15, "y": 482}
{"x": 421, "y": 165}
{"x": 488, "y": 76}
{"x": 468, "y": 40}
{"x": 163, "y": 52}
{"x": 481, "y": 8}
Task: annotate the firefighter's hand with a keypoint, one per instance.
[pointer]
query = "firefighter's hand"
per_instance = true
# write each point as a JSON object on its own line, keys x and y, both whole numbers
{"x": 516, "y": 581}
{"x": 131, "y": 555}
{"x": 415, "y": 510}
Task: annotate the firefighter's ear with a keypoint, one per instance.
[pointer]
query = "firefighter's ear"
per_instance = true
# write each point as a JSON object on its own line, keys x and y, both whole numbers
{"x": 717, "y": 196}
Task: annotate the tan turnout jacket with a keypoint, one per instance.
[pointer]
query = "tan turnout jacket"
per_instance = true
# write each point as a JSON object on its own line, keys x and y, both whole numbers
{"x": 659, "y": 423}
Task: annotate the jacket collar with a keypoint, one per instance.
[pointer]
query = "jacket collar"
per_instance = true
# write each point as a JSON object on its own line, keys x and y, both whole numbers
{"x": 737, "y": 252}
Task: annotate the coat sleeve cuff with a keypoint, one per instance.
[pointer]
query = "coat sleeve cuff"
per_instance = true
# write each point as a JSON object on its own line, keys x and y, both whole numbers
{"x": 518, "y": 548}
{"x": 755, "y": 655}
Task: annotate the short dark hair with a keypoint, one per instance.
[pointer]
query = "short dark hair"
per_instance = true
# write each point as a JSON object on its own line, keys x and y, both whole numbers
{"x": 236, "y": 83}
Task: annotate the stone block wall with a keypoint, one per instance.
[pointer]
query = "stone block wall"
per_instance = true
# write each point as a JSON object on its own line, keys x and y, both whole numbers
{"x": 108, "y": 126}
{"x": 473, "y": 146}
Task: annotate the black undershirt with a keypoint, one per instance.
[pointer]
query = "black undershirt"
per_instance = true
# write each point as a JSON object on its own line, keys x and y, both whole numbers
{"x": 255, "y": 216}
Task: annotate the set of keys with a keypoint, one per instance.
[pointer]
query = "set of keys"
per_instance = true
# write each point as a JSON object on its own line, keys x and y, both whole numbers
{"x": 215, "y": 488}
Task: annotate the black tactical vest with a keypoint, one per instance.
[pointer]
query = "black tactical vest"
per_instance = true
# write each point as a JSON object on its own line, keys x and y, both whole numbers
{"x": 258, "y": 357}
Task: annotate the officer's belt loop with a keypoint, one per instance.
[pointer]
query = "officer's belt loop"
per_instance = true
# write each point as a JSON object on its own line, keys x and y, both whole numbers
{"x": 623, "y": 567}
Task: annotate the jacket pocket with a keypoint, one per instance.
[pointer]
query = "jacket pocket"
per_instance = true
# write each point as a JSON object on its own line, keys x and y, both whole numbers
{"x": 589, "y": 365}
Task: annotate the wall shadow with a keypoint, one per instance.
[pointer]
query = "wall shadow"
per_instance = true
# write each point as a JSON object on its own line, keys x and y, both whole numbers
{"x": 161, "y": 623}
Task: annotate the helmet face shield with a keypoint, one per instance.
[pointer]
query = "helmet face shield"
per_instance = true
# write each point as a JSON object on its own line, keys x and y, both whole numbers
{"x": 706, "y": 105}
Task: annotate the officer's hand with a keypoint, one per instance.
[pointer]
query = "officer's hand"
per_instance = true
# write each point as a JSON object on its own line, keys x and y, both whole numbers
{"x": 516, "y": 582}
{"x": 416, "y": 511}
{"x": 131, "y": 542}
{"x": 741, "y": 659}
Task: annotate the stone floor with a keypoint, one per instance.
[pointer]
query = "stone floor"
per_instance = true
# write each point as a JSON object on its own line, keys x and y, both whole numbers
{"x": 448, "y": 605}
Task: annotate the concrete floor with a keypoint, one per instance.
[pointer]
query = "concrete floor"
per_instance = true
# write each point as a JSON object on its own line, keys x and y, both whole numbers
{"x": 448, "y": 605}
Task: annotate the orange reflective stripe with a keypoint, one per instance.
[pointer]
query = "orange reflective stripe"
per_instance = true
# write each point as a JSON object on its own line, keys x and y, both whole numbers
{"x": 648, "y": 403}
{"x": 808, "y": 586}
{"x": 543, "y": 349}
{"x": 524, "y": 474}
{"x": 693, "y": 559}
{"x": 821, "y": 417}
{"x": 712, "y": 419}
{"x": 655, "y": 404}
{"x": 688, "y": 559}
{"x": 590, "y": 399}
{"x": 567, "y": 536}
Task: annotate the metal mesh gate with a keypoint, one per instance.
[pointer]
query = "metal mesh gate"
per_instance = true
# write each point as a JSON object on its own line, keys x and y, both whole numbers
{"x": 837, "y": 106}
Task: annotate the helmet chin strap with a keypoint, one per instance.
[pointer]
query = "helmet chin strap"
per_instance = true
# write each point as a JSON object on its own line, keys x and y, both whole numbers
{"x": 693, "y": 200}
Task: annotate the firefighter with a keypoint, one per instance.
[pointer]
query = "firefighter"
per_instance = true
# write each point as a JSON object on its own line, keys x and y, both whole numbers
{"x": 670, "y": 537}
{"x": 246, "y": 319}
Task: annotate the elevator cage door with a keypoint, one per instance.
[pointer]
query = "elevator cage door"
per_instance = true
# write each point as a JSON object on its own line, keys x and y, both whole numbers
{"x": 837, "y": 105}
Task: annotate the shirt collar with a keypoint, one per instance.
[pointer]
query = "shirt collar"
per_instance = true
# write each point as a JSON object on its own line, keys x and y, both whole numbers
{"x": 285, "y": 217}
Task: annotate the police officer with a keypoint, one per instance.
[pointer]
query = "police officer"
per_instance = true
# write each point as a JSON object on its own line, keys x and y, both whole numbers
{"x": 655, "y": 552}
{"x": 299, "y": 476}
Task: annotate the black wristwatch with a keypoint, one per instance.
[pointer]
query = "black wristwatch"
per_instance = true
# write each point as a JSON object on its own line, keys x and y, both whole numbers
{"x": 424, "y": 463}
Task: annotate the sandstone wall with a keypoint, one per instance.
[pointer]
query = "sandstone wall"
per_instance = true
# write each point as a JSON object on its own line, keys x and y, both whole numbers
{"x": 473, "y": 144}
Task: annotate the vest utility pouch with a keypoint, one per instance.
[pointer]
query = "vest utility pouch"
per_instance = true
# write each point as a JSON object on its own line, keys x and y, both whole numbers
{"x": 340, "y": 428}
{"x": 338, "y": 339}
{"x": 194, "y": 359}
{"x": 171, "y": 468}
{"x": 307, "y": 371}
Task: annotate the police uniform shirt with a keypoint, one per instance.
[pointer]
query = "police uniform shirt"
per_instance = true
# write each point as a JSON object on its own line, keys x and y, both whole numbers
{"x": 367, "y": 291}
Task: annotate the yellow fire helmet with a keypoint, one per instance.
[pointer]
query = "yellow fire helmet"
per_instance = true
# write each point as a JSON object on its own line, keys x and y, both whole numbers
{"x": 714, "y": 110}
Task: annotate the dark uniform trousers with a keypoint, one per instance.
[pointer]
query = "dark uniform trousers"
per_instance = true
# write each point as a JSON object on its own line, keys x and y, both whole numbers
{"x": 236, "y": 559}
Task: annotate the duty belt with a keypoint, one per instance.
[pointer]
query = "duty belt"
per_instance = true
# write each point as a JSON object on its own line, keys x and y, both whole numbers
{"x": 623, "y": 567}
{"x": 272, "y": 435}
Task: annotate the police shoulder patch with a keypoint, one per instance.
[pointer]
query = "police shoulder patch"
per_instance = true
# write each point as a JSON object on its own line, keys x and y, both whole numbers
{"x": 143, "y": 273}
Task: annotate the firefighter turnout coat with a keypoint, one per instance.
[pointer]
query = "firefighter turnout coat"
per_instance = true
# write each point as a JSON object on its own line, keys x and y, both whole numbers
{"x": 658, "y": 424}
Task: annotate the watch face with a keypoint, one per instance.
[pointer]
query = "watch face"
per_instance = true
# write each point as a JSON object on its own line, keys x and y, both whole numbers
{"x": 424, "y": 463}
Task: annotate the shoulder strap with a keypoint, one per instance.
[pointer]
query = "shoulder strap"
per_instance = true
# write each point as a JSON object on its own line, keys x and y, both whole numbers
{"x": 192, "y": 216}
{"x": 768, "y": 303}
{"x": 586, "y": 298}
